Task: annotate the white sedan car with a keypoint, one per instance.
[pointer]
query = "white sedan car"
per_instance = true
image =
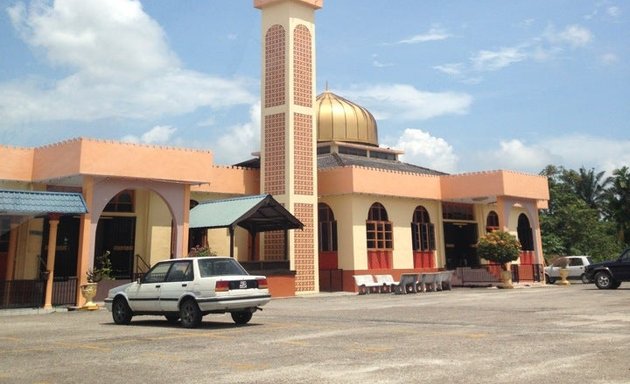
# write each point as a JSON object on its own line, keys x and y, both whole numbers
{"x": 189, "y": 288}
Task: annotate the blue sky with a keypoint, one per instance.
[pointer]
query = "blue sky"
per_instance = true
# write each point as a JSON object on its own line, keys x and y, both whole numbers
{"x": 460, "y": 86}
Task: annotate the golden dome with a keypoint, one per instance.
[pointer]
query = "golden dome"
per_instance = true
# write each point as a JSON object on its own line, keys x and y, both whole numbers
{"x": 339, "y": 119}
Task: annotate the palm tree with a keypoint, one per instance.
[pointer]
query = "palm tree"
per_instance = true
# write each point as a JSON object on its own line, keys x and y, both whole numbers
{"x": 589, "y": 186}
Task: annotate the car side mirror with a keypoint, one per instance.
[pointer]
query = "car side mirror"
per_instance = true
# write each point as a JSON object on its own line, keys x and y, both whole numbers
{"x": 139, "y": 280}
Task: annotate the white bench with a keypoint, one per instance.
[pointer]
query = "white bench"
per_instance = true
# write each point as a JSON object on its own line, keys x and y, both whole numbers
{"x": 447, "y": 276}
{"x": 387, "y": 282}
{"x": 366, "y": 284}
{"x": 408, "y": 281}
{"x": 429, "y": 281}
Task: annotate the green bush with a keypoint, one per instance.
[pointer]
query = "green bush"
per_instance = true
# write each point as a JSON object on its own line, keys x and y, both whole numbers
{"x": 499, "y": 247}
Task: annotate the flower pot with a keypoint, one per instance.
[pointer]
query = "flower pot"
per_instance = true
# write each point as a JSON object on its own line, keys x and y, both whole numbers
{"x": 564, "y": 273}
{"x": 506, "y": 279}
{"x": 88, "y": 291}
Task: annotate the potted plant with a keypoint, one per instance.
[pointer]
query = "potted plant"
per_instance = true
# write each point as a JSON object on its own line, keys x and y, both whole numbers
{"x": 102, "y": 268}
{"x": 502, "y": 248}
{"x": 198, "y": 251}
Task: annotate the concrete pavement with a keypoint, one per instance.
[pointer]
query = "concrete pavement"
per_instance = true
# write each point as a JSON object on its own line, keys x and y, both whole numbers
{"x": 538, "y": 334}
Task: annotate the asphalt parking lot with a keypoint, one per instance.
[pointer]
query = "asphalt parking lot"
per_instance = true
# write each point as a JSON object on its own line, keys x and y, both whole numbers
{"x": 527, "y": 335}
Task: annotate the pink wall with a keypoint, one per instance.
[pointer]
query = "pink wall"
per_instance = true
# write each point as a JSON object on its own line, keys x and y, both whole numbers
{"x": 16, "y": 163}
{"x": 495, "y": 183}
{"x": 105, "y": 158}
{"x": 232, "y": 180}
{"x": 375, "y": 181}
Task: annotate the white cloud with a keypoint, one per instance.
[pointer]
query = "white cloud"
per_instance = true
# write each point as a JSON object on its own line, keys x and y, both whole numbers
{"x": 570, "y": 151}
{"x": 434, "y": 34}
{"x": 119, "y": 65}
{"x": 609, "y": 58}
{"x": 240, "y": 140}
{"x": 427, "y": 151}
{"x": 578, "y": 150}
{"x": 613, "y": 11}
{"x": 160, "y": 134}
{"x": 494, "y": 60}
{"x": 573, "y": 35}
{"x": 379, "y": 64}
{"x": 453, "y": 69}
{"x": 402, "y": 101}
{"x": 540, "y": 48}
{"x": 515, "y": 154}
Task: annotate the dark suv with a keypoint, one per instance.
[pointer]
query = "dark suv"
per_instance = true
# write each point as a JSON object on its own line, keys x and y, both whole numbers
{"x": 610, "y": 274}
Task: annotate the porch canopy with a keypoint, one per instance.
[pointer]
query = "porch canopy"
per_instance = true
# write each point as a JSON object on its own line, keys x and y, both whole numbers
{"x": 36, "y": 203}
{"x": 259, "y": 213}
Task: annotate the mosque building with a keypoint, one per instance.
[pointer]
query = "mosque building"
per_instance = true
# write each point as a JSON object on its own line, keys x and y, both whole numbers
{"x": 341, "y": 204}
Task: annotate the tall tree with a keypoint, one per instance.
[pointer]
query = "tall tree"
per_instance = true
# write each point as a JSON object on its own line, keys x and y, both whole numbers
{"x": 571, "y": 226}
{"x": 588, "y": 186}
{"x": 619, "y": 203}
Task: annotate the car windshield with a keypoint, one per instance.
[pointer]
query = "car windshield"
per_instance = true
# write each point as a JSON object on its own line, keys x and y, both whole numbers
{"x": 590, "y": 261}
{"x": 220, "y": 267}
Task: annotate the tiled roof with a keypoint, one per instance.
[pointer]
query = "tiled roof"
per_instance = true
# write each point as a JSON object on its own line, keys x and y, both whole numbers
{"x": 15, "y": 202}
{"x": 333, "y": 160}
{"x": 257, "y": 213}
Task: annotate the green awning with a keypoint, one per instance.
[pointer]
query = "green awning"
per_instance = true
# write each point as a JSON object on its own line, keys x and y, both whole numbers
{"x": 258, "y": 213}
{"x": 35, "y": 203}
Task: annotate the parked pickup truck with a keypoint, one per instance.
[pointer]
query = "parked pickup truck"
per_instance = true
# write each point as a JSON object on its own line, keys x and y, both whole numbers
{"x": 610, "y": 274}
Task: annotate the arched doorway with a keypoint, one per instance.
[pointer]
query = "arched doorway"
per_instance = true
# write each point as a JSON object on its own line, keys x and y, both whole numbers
{"x": 526, "y": 238}
{"x": 154, "y": 229}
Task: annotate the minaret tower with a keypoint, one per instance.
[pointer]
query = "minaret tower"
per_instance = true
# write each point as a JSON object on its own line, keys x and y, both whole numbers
{"x": 289, "y": 135}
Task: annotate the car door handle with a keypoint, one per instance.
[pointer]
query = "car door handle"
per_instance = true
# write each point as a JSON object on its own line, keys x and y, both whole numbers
{"x": 157, "y": 286}
{"x": 184, "y": 285}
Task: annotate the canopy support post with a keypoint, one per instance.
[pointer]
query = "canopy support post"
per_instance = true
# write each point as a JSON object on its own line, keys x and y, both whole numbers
{"x": 231, "y": 241}
{"x": 286, "y": 244}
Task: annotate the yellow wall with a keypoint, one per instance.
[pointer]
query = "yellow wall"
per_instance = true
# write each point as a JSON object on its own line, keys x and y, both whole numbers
{"x": 159, "y": 234}
{"x": 351, "y": 212}
{"x": 28, "y": 249}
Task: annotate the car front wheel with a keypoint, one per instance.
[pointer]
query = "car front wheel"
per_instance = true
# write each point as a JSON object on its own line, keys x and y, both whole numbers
{"x": 549, "y": 279}
{"x": 585, "y": 279}
{"x": 241, "y": 318}
{"x": 603, "y": 280}
{"x": 190, "y": 314}
{"x": 121, "y": 313}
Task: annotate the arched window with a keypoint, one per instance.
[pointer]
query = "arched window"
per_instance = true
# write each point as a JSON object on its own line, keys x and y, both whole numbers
{"x": 422, "y": 230}
{"x": 327, "y": 228}
{"x": 122, "y": 202}
{"x": 492, "y": 222}
{"x": 525, "y": 235}
{"x": 379, "y": 229}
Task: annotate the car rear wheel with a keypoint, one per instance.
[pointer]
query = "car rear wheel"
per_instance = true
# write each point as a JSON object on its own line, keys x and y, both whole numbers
{"x": 603, "y": 280}
{"x": 241, "y": 318}
{"x": 121, "y": 313}
{"x": 190, "y": 314}
{"x": 584, "y": 279}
